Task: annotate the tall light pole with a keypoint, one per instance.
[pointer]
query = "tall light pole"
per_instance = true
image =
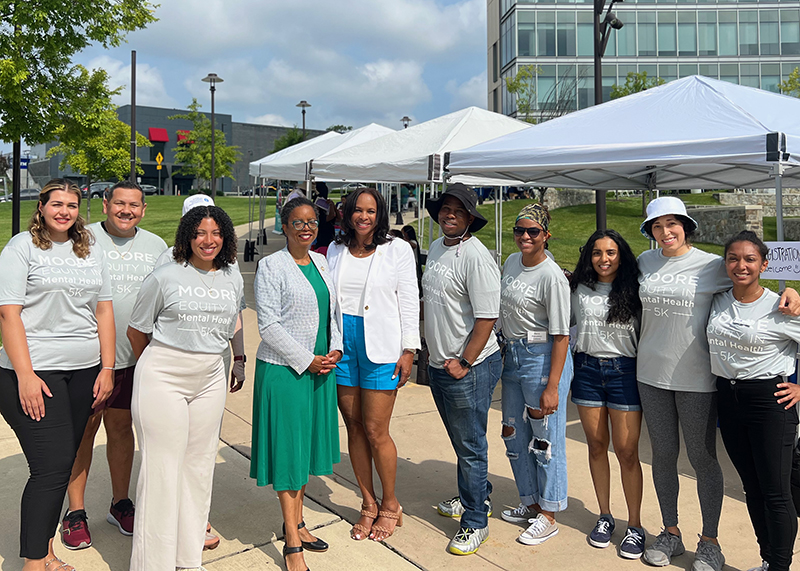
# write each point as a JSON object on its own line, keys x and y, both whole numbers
{"x": 405, "y": 121}
{"x": 303, "y": 104}
{"x": 602, "y": 31}
{"x": 213, "y": 79}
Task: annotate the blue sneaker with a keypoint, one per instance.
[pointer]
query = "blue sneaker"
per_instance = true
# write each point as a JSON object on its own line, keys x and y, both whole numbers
{"x": 632, "y": 545}
{"x": 601, "y": 534}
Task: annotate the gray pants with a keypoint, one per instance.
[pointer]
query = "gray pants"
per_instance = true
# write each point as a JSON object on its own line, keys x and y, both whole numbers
{"x": 696, "y": 413}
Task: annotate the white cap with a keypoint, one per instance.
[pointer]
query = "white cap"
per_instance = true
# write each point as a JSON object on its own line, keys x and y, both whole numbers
{"x": 663, "y": 206}
{"x": 196, "y": 200}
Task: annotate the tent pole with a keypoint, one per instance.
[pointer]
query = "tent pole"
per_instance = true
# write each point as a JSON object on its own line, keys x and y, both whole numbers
{"x": 500, "y": 231}
{"x": 777, "y": 172}
{"x": 496, "y": 232}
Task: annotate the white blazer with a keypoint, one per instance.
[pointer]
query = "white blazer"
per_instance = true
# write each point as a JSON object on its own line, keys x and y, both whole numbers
{"x": 391, "y": 299}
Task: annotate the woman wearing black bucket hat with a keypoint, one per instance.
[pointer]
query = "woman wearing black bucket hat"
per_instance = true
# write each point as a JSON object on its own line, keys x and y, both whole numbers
{"x": 461, "y": 291}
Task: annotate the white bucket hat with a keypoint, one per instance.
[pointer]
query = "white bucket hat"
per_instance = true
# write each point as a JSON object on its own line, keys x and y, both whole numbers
{"x": 199, "y": 200}
{"x": 663, "y": 206}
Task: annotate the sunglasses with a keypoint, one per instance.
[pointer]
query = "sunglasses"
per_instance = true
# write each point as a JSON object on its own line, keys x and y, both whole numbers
{"x": 532, "y": 232}
{"x": 299, "y": 224}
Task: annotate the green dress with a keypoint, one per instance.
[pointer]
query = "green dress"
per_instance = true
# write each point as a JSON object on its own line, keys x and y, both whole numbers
{"x": 295, "y": 421}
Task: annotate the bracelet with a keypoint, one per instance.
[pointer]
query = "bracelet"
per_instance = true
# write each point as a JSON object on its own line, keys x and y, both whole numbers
{"x": 108, "y": 368}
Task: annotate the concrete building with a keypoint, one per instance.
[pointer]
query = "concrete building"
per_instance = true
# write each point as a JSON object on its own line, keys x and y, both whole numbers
{"x": 753, "y": 43}
{"x": 254, "y": 141}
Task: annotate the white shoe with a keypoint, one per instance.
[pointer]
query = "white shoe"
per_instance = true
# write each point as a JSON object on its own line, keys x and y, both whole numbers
{"x": 539, "y": 531}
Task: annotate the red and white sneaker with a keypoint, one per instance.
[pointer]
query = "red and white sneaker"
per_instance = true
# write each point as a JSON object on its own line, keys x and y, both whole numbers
{"x": 75, "y": 530}
{"x": 121, "y": 514}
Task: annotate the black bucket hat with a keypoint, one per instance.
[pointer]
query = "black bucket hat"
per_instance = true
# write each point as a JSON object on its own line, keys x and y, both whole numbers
{"x": 467, "y": 197}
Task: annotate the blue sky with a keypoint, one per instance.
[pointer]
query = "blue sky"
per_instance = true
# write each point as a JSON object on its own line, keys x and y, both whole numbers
{"x": 355, "y": 61}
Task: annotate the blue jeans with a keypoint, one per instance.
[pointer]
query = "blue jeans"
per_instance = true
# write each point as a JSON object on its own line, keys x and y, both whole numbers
{"x": 537, "y": 447}
{"x": 464, "y": 405}
{"x": 607, "y": 383}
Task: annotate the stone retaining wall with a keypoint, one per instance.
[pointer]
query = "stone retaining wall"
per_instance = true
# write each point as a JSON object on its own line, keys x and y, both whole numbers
{"x": 791, "y": 201}
{"x": 791, "y": 229}
{"x": 567, "y": 197}
{"x": 718, "y": 223}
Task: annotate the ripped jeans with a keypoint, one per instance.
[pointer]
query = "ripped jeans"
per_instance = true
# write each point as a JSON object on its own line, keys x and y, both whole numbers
{"x": 537, "y": 447}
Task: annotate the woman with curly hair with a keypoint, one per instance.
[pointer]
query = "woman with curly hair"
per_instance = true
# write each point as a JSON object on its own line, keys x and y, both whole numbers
{"x": 57, "y": 359}
{"x": 607, "y": 310}
{"x": 183, "y": 319}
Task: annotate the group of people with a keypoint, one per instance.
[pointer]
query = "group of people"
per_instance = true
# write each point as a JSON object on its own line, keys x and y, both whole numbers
{"x": 105, "y": 324}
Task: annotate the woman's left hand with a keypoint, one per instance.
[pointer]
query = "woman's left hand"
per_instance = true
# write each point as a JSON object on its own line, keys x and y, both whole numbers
{"x": 237, "y": 375}
{"x": 548, "y": 402}
{"x": 403, "y": 367}
{"x": 790, "y": 302}
{"x": 103, "y": 387}
{"x": 789, "y": 393}
{"x": 330, "y": 361}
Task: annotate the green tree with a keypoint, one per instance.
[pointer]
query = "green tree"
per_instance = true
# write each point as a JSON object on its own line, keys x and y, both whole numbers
{"x": 634, "y": 83}
{"x": 103, "y": 156}
{"x": 40, "y": 88}
{"x": 340, "y": 128}
{"x": 292, "y": 137}
{"x": 194, "y": 153}
{"x": 792, "y": 85}
{"x": 523, "y": 87}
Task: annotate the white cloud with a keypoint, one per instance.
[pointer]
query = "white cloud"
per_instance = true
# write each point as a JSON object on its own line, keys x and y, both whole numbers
{"x": 150, "y": 88}
{"x": 472, "y": 92}
{"x": 269, "y": 119}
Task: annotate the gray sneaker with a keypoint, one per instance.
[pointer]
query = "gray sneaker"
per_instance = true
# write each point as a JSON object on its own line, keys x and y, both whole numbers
{"x": 454, "y": 508}
{"x": 520, "y": 514}
{"x": 539, "y": 531}
{"x": 763, "y": 567}
{"x": 664, "y": 548}
{"x": 708, "y": 557}
{"x": 467, "y": 540}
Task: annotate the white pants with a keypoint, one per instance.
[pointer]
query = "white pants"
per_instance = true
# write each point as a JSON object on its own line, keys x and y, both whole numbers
{"x": 177, "y": 405}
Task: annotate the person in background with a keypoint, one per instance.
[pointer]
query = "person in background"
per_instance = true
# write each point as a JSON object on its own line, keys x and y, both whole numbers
{"x": 606, "y": 309}
{"x": 461, "y": 292}
{"x": 130, "y": 255}
{"x": 753, "y": 349}
{"x": 410, "y": 236}
{"x": 295, "y": 422}
{"x": 181, "y": 324}
{"x": 537, "y": 370}
{"x": 395, "y": 233}
{"x": 327, "y": 209}
{"x": 57, "y": 359}
{"x": 379, "y": 301}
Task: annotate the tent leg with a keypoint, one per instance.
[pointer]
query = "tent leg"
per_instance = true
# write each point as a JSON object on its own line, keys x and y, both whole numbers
{"x": 778, "y": 173}
{"x": 500, "y": 232}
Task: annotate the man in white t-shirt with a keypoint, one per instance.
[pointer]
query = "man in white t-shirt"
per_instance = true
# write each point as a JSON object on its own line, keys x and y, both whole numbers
{"x": 130, "y": 255}
{"x": 461, "y": 291}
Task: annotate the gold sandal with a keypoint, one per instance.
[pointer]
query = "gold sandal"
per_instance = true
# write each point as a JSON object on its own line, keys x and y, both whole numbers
{"x": 397, "y": 516}
{"x": 64, "y": 566}
{"x": 358, "y": 528}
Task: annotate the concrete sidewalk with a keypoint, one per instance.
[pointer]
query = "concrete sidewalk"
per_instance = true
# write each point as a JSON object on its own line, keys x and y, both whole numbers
{"x": 248, "y": 519}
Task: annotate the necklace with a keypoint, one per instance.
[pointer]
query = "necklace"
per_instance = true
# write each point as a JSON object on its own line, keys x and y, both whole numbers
{"x": 200, "y": 275}
{"x": 742, "y": 300}
{"x": 359, "y": 251}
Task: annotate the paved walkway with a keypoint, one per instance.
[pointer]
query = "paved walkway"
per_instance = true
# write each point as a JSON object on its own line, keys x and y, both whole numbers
{"x": 248, "y": 520}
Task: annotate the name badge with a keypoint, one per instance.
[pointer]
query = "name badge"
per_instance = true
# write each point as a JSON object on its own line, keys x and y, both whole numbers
{"x": 537, "y": 336}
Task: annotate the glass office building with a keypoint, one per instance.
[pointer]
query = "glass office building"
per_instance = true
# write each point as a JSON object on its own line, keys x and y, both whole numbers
{"x": 747, "y": 42}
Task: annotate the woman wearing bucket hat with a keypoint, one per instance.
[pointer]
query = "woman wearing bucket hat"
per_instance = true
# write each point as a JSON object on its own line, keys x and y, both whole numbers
{"x": 461, "y": 291}
{"x": 534, "y": 320}
{"x": 676, "y": 386}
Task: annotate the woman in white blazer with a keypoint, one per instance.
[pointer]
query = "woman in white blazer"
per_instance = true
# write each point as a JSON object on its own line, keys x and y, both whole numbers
{"x": 376, "y": 287}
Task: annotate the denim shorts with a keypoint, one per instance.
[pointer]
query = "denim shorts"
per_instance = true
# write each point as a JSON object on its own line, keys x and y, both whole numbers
{"x": 355, "y": 369}
{"x": 602, "y": 382}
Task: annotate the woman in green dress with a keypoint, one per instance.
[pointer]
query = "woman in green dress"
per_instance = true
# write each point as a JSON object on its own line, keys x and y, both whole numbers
{"x": 295, "y": 422}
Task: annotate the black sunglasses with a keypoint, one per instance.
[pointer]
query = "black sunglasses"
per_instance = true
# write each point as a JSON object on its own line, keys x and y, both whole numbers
{"x": 532, "y": 232}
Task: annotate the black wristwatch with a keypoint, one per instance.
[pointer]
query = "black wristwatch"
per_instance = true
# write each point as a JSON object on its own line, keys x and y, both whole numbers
{"x": 464, "y": 363}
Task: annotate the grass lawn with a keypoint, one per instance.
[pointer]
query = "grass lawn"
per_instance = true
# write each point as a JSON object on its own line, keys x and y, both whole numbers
{"x": 163, "y": 213}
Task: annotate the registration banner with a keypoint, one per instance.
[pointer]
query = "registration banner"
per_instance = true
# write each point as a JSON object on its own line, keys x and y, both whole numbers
{"x": 784, "y": 261}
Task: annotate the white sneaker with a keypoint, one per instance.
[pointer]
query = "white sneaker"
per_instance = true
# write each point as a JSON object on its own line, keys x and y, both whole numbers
{"x": 539, "y": 531}
{"x": 520, "y": 514}
{"x": 467, "y": 540}
{"x": 454, "y": 508}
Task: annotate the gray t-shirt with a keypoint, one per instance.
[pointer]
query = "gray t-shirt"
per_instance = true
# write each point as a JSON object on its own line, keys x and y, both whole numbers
{"x": 595, "y": 336}
{"x": 166, "y": 258}
{"x": 533, "y": 299}
{"x": 457, "y": 290}
{"x": 188, "y": 309}
{"x": 751, "y": 340}
{"x": 58, "y": 292}
{"x": 676, "y": 296}
{"x": 129, "y": 261}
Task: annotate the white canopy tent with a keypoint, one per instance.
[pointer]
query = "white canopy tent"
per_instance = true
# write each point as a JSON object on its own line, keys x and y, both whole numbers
{"x": 319, "y": 145}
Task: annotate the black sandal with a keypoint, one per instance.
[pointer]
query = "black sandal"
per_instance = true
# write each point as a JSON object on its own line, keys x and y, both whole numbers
{"x": 290, "y": 551}
{"x": 316, "y": 546}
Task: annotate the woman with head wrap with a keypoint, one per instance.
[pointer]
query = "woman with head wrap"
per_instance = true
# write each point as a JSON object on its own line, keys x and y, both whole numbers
{"x": 534, "y": 320}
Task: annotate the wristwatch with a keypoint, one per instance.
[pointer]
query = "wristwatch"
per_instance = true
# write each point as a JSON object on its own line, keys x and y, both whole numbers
{"x": 464, "y": 363}
{"x": 242, "y": 358}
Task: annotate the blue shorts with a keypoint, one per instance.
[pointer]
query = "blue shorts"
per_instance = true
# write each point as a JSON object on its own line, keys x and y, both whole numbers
{"x": 605, "y": 382}
{"x": 355, "y": 369}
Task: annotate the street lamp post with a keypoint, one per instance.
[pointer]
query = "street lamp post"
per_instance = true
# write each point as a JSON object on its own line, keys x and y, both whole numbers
{"x": 405, "y": 120}
{"x": 213, "y": 79}
{"x": 602, "y": 31}
{"x": 303, "y": 104}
